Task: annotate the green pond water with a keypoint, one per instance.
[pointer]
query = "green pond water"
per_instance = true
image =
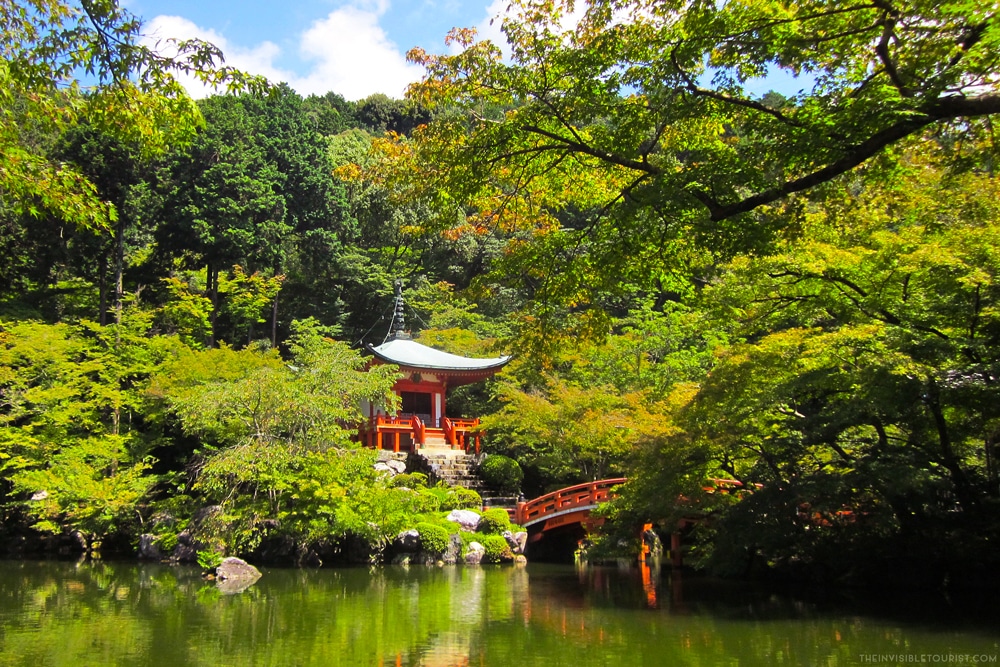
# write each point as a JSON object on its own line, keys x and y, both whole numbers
{"x": 103, "y": 613}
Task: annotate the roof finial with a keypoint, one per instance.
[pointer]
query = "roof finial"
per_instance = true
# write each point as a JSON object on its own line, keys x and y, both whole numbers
{"x": 398, "y": 323}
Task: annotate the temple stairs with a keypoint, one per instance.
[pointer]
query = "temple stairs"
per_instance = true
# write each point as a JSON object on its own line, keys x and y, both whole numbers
{"x": 452, "y": 466}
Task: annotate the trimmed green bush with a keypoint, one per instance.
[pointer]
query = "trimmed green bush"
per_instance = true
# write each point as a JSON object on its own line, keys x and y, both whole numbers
{"x": 433, "y": 539}
{"x": 501, "y": 473}
{"x": 460, "y": 498}
{"x": 494, "y": 521}
{"x": 411, "y": 480}
{"x": 497, "y": 549}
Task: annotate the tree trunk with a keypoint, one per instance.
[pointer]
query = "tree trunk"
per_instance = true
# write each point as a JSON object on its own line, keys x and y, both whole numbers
{"x": 119, "y": 291}
{"x": 992, "y": 480}
{"x": 274, "y": 322}
{"x": 963, "y": 489}
{"x": 102, "y": 286}
{"x": 212, "y": 287}
{"x": 119, "y": 270}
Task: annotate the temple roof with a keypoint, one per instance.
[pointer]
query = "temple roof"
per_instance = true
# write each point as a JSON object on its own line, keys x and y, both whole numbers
{"x": 411, "y": 354}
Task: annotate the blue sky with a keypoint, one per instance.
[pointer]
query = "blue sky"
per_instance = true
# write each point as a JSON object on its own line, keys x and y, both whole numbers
{"x": 352, "y": 47}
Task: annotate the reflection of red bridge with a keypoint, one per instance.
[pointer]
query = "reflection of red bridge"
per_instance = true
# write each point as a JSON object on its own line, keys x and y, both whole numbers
{"x": 564, "y": 507}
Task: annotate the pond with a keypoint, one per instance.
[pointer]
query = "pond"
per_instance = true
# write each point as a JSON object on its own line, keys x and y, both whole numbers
{"x": 104, "y": 613}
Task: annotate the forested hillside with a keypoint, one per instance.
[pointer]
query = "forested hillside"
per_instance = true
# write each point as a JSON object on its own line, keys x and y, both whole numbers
{"x": 797, "y": 291}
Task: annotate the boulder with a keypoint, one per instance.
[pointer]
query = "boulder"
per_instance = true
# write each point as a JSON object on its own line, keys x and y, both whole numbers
{"x": 407, "y": 541}
{"x": 467, "y": 519}
{"x": 454, "y": 550}
{"x": 425, "y": 558}
{"x": 233, "y": 569}
{"x": 396, "y": 466}
{"x": 206, "y": 513}
{"x": 148, "y": 549}
{"x": 520, "y": 559}
{"x": 185, "y": 551}
{"x": 234, "y": 575}
{"x": 516, "y": 541}
{"x": 161, "y": 521}
{"x": 474, "y": 554}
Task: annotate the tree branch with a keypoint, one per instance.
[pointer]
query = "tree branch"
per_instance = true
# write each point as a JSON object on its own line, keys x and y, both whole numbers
{"x": 579, "y": 147}
{"x": 945, "y": 108}
{"x": 882, "y": 49}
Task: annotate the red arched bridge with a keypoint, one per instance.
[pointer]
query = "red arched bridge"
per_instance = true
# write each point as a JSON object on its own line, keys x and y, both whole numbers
{"x": 573, "y": 505}
{"x": 565, "y": 506}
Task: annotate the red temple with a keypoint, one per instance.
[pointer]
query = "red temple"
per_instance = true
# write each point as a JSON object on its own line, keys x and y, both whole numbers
{"x": 422, "y": 420}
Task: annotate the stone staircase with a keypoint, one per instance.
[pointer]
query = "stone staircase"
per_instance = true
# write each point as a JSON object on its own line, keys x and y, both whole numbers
{"x": 452, "y": 466}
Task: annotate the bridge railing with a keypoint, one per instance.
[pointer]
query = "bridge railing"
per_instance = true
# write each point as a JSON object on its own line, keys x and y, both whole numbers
{"x": 581, "y": 495}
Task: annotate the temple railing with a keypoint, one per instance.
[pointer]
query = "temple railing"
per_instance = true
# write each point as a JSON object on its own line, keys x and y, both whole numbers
{"x": 396, "y": 427}
{"x": 461, "y": 433}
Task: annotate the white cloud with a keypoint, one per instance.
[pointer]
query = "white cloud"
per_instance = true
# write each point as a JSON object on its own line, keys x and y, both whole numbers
{"x": 256, "y": 60}
{"x": 491, "y": 27}
{"x": 353, "y": 56}
{"x": 348, "y": 51}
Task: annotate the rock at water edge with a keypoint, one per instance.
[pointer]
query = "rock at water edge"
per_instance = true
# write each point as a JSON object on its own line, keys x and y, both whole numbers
{"x": 407, "y": 541}
{"x": 454, "y": 550}
{"x": 516, "y": 541}
{"x": 236, "y": 568}
{"x": 474, "y": 554}
{"x": 148, "y": 549}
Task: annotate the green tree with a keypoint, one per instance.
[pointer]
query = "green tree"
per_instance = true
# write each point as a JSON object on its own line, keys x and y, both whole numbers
{"x": 255, "y": 189}
{"x": 330, "y": 114}
{"x": 278, "y": 440}
{"x": 232, "y": 397}
{"x": 567, "y": 434}
{"x": 859, "y": 411}
{"x": 136, "y": 97}
{"x": 379, "y": 113}
{"x": 607, "y": 148}
{"x": 72, "y": 455}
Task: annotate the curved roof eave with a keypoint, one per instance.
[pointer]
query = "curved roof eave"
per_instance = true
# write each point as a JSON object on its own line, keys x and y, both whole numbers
{"x": 412, "y": 354}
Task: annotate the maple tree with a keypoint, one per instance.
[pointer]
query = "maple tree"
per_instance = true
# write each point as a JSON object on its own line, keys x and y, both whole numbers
{"x": 63, "y": 63}
{"x": 616, "y": 133}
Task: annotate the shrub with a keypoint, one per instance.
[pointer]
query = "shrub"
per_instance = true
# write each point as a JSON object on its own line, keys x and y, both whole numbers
{"x": 461, "y": 498}
{"x": 166, "y": 542}
{"x": 433, "y": 539}
{"x": 494, "y": 521}
{"x": 209, "y": 560}
{"x": 425, "y": 501}
{"x": 501, "y": 473}
{"x": 411, "y": 480}
{"x": 497, "y": 549}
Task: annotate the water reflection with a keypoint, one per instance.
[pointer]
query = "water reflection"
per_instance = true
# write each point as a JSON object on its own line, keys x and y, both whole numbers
{"x": 126, "y": 614}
